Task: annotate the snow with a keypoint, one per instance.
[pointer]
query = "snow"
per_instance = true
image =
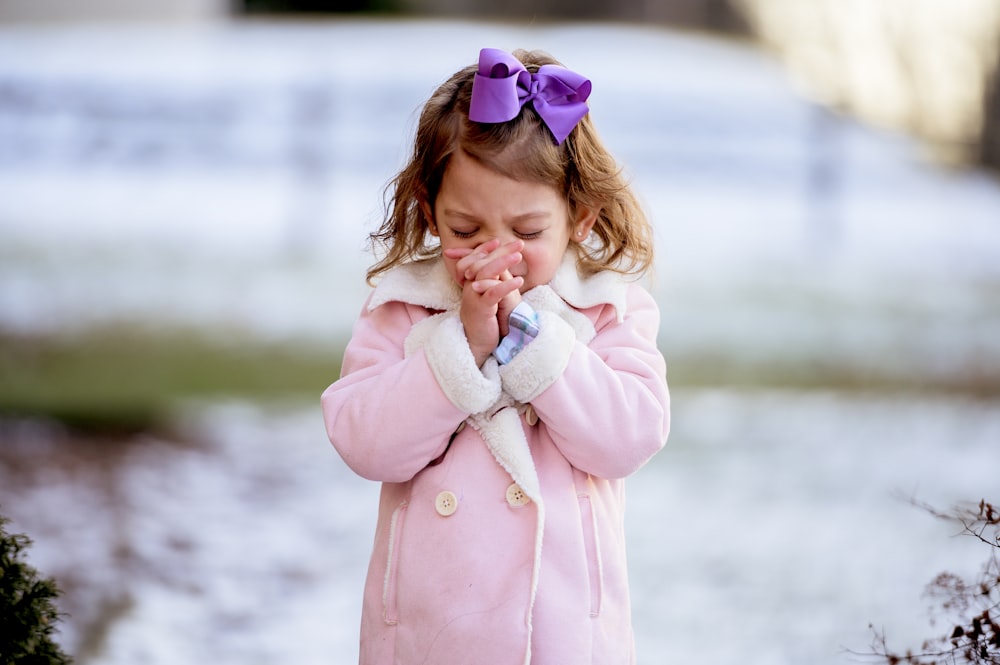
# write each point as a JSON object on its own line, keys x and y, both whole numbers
{"x": 773, "y": 529}
{"x": 227, "y": 176}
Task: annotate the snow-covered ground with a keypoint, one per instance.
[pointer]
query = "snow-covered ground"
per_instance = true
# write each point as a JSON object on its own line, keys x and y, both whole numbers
{"x": 772, "y": 530}
{"x": 227, "y": 175}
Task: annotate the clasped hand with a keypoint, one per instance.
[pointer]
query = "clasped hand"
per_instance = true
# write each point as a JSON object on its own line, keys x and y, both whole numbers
{"x": 489, "y": 292}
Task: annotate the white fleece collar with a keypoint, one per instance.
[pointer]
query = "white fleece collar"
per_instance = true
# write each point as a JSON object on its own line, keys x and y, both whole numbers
{"x": 424, "y": 283}
{"x": 605, "y": 288}
{"x": 428, "y": 284}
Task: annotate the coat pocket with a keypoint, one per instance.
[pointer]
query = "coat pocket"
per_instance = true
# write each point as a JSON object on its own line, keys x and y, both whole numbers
{"x": 592, "y": 550}
{"x": 392, "y": 564}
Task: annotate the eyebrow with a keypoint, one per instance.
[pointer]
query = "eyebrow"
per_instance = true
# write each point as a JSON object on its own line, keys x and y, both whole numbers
{"x": 523, "y": 217}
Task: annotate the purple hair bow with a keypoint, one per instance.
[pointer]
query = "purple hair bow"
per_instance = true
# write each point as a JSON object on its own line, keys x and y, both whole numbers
{"x": 502, "y": 86}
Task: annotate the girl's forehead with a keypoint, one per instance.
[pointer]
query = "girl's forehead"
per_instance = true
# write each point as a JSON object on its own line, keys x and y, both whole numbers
{"x": 472, "y": 190}
{"x": 507, "y": 168}
{"x": 471, "y": 173}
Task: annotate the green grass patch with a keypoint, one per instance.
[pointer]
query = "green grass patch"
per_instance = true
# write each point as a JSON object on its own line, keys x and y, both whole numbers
{"x": 128, "y": 379}
{"x": 705, "y": 369}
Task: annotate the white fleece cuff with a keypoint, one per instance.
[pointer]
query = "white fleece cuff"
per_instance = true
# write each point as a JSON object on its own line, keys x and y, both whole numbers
{"x": 540, "y": 363}
{"x": 454, "y": 367}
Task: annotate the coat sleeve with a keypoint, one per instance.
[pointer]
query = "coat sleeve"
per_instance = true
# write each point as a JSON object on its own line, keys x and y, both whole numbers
{"x": 388, "y": 415}
{"x": 605, "y": 404}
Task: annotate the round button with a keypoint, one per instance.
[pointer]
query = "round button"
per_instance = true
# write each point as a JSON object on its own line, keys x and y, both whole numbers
{"x": 530, "y": 416}
{"x": 516, "y": 496}
{"x": 446, "y": 503}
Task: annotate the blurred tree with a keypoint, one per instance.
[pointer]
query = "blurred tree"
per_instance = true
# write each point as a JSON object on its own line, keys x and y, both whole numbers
{"x": 28, "y": 615}
{"x": 704, "y": 14}
{"x": 317, "y": 6}
{"x": 989, "y": 153}
{"x": 925, "y": 67}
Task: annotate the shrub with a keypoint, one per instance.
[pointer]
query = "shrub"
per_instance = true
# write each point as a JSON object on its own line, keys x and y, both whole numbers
{"x": 28, "y": 614}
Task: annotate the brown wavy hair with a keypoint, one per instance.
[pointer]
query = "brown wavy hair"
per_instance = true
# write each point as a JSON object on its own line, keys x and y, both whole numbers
{"x": 522, "y": 149}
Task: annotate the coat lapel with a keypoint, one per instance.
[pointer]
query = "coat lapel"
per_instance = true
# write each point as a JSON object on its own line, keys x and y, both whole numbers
{"x": 428, "y": 284}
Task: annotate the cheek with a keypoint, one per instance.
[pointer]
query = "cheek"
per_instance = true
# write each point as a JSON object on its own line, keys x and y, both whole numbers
{"x": 451, "y": 264}
{"x": 541, "y": 262}
{"x": 452, "y": 243}
{"x": 530, "y": 258}
{"x": 549, "y": 252}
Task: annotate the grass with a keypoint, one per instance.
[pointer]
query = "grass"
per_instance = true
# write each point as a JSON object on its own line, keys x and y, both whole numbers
{"x": 705, "y": 369}
{"x": 128, "y": 379}
{"x": 124, "y": 378}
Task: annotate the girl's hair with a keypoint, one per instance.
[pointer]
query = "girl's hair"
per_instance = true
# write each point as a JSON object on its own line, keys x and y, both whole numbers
{"x": 522, "y": 149}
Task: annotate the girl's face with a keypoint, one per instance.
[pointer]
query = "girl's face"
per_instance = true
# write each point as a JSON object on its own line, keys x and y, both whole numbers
{"x": 475, "y": 204}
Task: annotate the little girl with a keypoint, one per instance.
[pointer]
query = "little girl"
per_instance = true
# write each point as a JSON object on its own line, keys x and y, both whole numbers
{"x": 502, "y": 380}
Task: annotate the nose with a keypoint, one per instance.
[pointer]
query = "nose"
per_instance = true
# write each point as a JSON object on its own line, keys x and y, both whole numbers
{"x": 504, "y": 237}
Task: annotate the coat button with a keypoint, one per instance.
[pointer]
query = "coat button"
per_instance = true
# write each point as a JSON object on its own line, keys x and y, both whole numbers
{"x": 446, "y": 503}
{"x": 516, "y": 496}
{"x": 530, "y": 416}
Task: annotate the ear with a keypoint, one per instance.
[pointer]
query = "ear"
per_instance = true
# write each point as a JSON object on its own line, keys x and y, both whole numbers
{"x": 425, "y": 208}
{"x": 585, "y": 219}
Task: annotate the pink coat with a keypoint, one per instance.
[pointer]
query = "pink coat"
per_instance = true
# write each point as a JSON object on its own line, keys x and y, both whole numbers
{"x": 500, "y": 535}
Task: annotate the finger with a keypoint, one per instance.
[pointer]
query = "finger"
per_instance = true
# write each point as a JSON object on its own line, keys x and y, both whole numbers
{"x": 505, "y": 307}
{"x": 495, "y": 262}
{"x": 480, "y": 286}
{"x": 457, "y": 252}
{"x": 470, "y": 257}
{"x": 494, "y": 290}
{"x": 496, "y": 266}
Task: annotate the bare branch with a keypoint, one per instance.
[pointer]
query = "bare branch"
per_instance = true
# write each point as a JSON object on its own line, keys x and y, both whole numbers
{"x": 975, "y": 634}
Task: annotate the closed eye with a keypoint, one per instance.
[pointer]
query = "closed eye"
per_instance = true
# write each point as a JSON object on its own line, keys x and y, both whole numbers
{"x": 528, "y": 236}
{"x": 462, "y": 234}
